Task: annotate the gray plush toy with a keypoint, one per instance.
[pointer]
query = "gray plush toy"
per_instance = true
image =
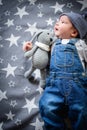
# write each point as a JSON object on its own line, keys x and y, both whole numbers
{"x": 40, "y": 54}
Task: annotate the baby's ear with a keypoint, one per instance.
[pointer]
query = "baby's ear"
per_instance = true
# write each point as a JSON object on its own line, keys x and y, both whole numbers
{"x": 74, "y": 33}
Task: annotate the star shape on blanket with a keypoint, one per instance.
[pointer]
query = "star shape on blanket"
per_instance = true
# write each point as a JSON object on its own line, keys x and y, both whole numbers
{"x": 13, "y": 40}
{"x": 30, "y": 105}
{"x": 10, "y": 70}
{"x": 21, "y": 12}
{"x": 38, "y": 124}
{"x": 1, "y": 124}
{"x": 84, "y": 4}
{"x": 3, "y": 96}
{"x": 58, "y": 7}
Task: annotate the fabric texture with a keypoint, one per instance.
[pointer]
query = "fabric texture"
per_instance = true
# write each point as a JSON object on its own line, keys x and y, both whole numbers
{"x": 19, "y": 20}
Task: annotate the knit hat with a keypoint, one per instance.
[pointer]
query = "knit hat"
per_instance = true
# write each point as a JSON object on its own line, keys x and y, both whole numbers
{"x": 79, "y": 23}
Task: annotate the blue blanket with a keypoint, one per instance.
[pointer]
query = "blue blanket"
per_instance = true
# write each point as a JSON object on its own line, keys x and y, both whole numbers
{"x": 19, "y": 20}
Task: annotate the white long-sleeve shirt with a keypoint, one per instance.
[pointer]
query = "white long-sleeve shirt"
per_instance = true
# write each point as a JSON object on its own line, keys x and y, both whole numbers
{"x": 82, "y": 51}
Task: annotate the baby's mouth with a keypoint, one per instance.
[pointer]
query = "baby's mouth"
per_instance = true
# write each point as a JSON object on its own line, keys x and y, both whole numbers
{"x": 56, "y": 29}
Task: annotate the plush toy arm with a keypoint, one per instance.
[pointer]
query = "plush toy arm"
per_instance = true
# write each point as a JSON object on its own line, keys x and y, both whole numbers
{"x": 29, "y": 53}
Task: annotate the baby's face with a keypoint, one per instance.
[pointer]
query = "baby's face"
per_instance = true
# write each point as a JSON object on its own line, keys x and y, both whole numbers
{"x": 63, "y": 28}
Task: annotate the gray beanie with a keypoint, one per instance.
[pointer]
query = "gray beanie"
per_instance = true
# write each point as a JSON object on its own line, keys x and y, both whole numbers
{"x": 79, "y": 23}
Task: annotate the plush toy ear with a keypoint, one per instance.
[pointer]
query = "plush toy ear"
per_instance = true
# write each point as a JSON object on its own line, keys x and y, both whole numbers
{"x": 36, "y": 35}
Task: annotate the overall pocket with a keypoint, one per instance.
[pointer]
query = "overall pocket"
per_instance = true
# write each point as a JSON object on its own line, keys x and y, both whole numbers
{"x": 63, "y": 57}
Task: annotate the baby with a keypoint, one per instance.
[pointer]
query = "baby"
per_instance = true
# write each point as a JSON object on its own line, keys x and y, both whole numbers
{"x": 65, "y": 94}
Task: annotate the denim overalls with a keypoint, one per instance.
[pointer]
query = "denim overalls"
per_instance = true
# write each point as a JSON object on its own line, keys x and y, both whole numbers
{"x": 65, "y": 94}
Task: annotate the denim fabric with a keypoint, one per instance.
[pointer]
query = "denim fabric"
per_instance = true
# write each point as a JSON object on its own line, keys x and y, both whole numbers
{"x": 65, "y": 94}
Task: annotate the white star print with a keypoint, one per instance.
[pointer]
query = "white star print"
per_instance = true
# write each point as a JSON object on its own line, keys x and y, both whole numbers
{"x": 32, "y": 28}
{"x": 27, "y": 89}
{"x": 49, "y": 21}
{"x": 21, "y": 12}
{"x": 10, "y": 70}
{"x": 22, "y": 68}
{"x": 13, "y": 103}
{"x": 1, "y": 60}
{"x": 18, "y": 28}
{"x": 14, "y": 58}
{"x": 32, "y": 2}
{"x": 1, "y": 124}
{"x": 11, "y": 84}
{"x": 69, "y": 5}
{"x": 7, "y": 13}
{"x": 40, "y": 6}
{"x": 10, "y": 115}
{"x": 1, "y": 2}
{"x": 18, "y": 122}
{"x": 39, "y": 89}
{"x": 30, "y": 105}
{"x": 13, "y": 40}
{"x": 58, "y": 7}
{"x": 40, "y": 14}
{"x": 2, "y": 95}
{"x": 9, "y": 23}
{"x": 1, "y": 45}
{"x": 84, "y": 4}
{"x": 38, "y": 124}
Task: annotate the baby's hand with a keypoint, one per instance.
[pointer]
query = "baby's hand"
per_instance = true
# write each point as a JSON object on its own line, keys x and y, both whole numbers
{"x": 27, "y": 46}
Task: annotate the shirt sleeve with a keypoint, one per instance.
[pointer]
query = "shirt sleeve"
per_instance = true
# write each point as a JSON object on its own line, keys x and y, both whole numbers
{"x": 82, "y": 52}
